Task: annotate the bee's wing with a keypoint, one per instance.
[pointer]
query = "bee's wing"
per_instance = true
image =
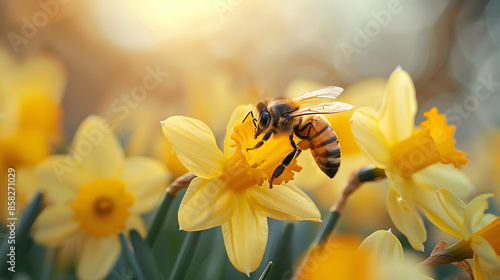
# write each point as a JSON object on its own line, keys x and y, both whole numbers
{"x": 324, "y": 108}
{"x": 326, "y": 92}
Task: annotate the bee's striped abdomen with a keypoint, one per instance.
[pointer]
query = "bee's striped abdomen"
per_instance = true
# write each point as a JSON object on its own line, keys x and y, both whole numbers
{"x": 325, "y": 146}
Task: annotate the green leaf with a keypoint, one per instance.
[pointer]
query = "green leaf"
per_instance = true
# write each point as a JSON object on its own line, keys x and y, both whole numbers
{"x": 144, "y": 256}
{"x": 130, "y": 257}
{"x": 283, "y": 255}
{"x": 158, "y": 219}
{"x": 185, "y": 255}
{"x": 22, "y": 239}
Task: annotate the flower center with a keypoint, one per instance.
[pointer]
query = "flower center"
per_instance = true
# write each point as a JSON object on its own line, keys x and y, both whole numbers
{"x": 102, "y": 206}
{"x": 432, "y": 144}
{"x": 491, "y": 232}
{"x": 246, "y": 169}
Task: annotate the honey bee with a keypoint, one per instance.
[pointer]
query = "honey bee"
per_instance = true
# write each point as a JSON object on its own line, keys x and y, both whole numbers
{"x": 292, "y": 116}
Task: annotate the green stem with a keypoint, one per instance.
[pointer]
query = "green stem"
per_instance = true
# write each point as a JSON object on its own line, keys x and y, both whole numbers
{"x": 370, "y": 173}
{"x": 328, "y": 226}
{"x": 158, "y": 219}
{"x": 131, "y": 257}
{"x": 185, "y": 256}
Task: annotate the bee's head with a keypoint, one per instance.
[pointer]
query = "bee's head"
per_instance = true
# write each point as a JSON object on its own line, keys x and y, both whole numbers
{"x": 264, "y": 118}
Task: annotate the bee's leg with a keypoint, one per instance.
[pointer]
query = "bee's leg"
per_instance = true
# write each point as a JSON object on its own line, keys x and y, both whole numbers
{"x": 288, "y": 159}
{"x": 265, "y": 138}
{"x": 253, "y": 118}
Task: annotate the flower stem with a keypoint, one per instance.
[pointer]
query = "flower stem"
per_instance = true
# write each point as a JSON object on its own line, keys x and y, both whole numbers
{"x": 185, "y": 256}
{"x": 160, "y": 215}
{"x": 447, "y": 255}
{"x": 131, "y": 257}
{"x": 157, "y": 220}
{"x": 328, "y": 226}
{"x": 366, "y": 174}
{"x": 144, "y": 256}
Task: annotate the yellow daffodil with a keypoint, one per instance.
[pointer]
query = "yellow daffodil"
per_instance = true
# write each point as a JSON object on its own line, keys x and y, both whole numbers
{"x": 410, "y": 156}
{"x": 379, "y": 256}
{"x": 97, "y": 193}
{"x": 367, "y": 208}
{"x": 30, "y": 93}
{"x": 479, "y": 232}
{"x": 231, "y": 188}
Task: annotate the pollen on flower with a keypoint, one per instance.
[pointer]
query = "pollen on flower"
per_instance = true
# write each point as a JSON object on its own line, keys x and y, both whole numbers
{"x": 101, "y": 207}
{"x": 248, "y": 168}
{"x": 432, "y": 144}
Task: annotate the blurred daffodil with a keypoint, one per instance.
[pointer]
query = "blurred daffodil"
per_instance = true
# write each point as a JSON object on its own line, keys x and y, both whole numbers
{"x": 379, "y": 256}
{"x": 479, "y": 233}
{"x": 97, "y": 193}
{"x": 30, "y": 93}
{"x": 410, "y": 156}
{"x": 231, "y": 188}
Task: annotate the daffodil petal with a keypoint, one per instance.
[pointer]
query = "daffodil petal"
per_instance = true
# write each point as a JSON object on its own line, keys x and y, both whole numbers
{"x": 477, "y": 270}
{"x": 97, "y": 256}
{"x": 406, "y": 219}
{"x": 487, "y": 219}
{"x": 146, "y": 178}
{"x": 60, "y": 178}
{"x": 366, "y": 130}
{"x": 96, "y": 149}
{"x": 474, "y": 213}
{"x": 426, "y": 199}
{"x": 195, "y": 146}
{"x": 135, "y": 222}
{"x": 236, "y": 117}
{"x": 46, "y": 75}
{"x": 453, "y": 206}
{"x": 383, "y": 246}
{"x": 445, "y": 176}
{"x": 283, "y": 202}
{"x": 399, "y": 106}
{"x": 54, "y": 225}
{"x": 207, "y": 203}
{"x": 485, "y": 254}
{"x": 245, "y": 237}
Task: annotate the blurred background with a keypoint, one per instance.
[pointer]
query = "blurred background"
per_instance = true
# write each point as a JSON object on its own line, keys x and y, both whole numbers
{"x": 139, "y": 62}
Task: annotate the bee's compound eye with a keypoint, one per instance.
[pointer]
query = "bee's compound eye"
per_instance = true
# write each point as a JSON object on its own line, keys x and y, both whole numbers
{"x": 265, "y": 119}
